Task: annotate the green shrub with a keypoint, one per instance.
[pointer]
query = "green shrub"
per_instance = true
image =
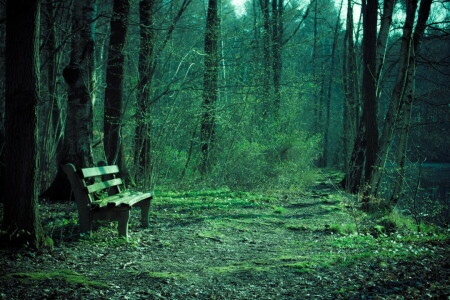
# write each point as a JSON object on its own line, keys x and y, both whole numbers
{"x": 283, "y": 161}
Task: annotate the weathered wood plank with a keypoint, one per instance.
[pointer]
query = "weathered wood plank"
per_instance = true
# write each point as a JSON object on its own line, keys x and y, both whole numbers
{"x": 103, "y": 185}
{"x": 97, "y": 171}
{"x": 125, "y": 199}
{"x": 132, "y": 199}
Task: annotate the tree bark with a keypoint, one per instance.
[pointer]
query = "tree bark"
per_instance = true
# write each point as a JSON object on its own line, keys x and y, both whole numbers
{"x": 210, "y": 81}
{"x": 408, "y": 50}
{"x": 350, "y": 87}
{"x": 146, "y": 70}
{"x": 277, "y": 39}
{"x": 78, "y": 75}
{"x": 403, "y": 131}
{"x": 114, "y": 84}
{"x": 267, "y": 63}
{"x": 20, "y": 217}
{"x": 78, "y": 133}
{"x": 386, "y": 20}
{"x": 366, "y": 145}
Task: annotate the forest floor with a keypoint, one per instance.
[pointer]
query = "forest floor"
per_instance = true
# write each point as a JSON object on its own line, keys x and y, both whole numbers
{"x": 220, "y": 244}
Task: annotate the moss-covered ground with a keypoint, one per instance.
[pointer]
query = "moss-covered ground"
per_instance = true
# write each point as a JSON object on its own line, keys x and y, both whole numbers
{"x": 222, "y": 244}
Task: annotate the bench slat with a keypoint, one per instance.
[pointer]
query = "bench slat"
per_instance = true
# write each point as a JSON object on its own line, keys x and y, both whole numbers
{"x": 126, "y": 199}
{"x": 103, "y": 185}
{"x": 97, "y": 171}
{"x": 131, "y": 200}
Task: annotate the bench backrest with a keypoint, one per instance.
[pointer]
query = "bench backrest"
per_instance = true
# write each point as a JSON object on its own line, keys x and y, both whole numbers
{"x": 83, "y": 187}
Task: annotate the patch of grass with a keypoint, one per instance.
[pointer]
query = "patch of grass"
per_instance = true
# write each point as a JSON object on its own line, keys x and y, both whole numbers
{"x": 70, "y": 277}
{"x": 279, "y": 209}
{"x": 216, "y": 194}
{"x": 343, "y": 228}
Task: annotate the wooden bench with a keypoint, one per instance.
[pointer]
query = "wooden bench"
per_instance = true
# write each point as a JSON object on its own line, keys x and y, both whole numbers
{"x": 114, "y": 205}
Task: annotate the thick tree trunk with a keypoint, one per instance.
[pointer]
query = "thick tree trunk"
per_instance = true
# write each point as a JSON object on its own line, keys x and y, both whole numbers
{"x": 78, "y": 75}
{"x": 78, "y": 134}
{"x": 366, "y": 144}
{"x": 2, "y": 101}
{"x": 20, "y": 216}
{"x": 114, "y": 84}
{"x": 210, "y": 94}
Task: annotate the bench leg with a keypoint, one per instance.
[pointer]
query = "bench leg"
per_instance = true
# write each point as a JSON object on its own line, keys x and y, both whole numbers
{"x": 145, "y": 207}
{"x": 123, "y": 223}
{"x": 85, "y": 220}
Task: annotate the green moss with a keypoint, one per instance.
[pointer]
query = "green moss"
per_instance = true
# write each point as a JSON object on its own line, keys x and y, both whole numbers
{"x": 70, "y": 277}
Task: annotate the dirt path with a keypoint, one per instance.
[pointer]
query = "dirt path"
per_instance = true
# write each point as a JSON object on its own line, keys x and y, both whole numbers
{"x": 224, "y": 245}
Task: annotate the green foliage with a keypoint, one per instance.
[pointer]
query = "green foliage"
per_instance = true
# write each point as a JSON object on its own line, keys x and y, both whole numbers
{"x": 398, "y": 222}
{"x": 343, "y": 228}
{"x": 283, "y": 161}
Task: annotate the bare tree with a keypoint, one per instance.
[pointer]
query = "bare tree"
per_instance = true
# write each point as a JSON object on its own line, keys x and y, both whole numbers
{"x": 210, "y": 80}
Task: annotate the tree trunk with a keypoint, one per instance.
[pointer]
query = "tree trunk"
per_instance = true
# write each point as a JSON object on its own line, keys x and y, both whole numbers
{"x": 350, "y": 84}
{"x": 20, "y": 217}
{"x": 146, "y": 70}
{"x": 78, "y": 134}
{"x": 2, "y": 101}
{"x": 397, "y": 96}
{"x": 386, "y": 20}
{"x": 267, "y": 63}
{"x": 277, "y": 38}
{"x": 114, "y": 84}
{"x": 78, "y": 75}
{"x": 49, "y": 119}
{"x": 408, "y": 50}
{"x": 210, "y": 94}
{"x": 403, "y": 131}
{"x": 366, "y": 144}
